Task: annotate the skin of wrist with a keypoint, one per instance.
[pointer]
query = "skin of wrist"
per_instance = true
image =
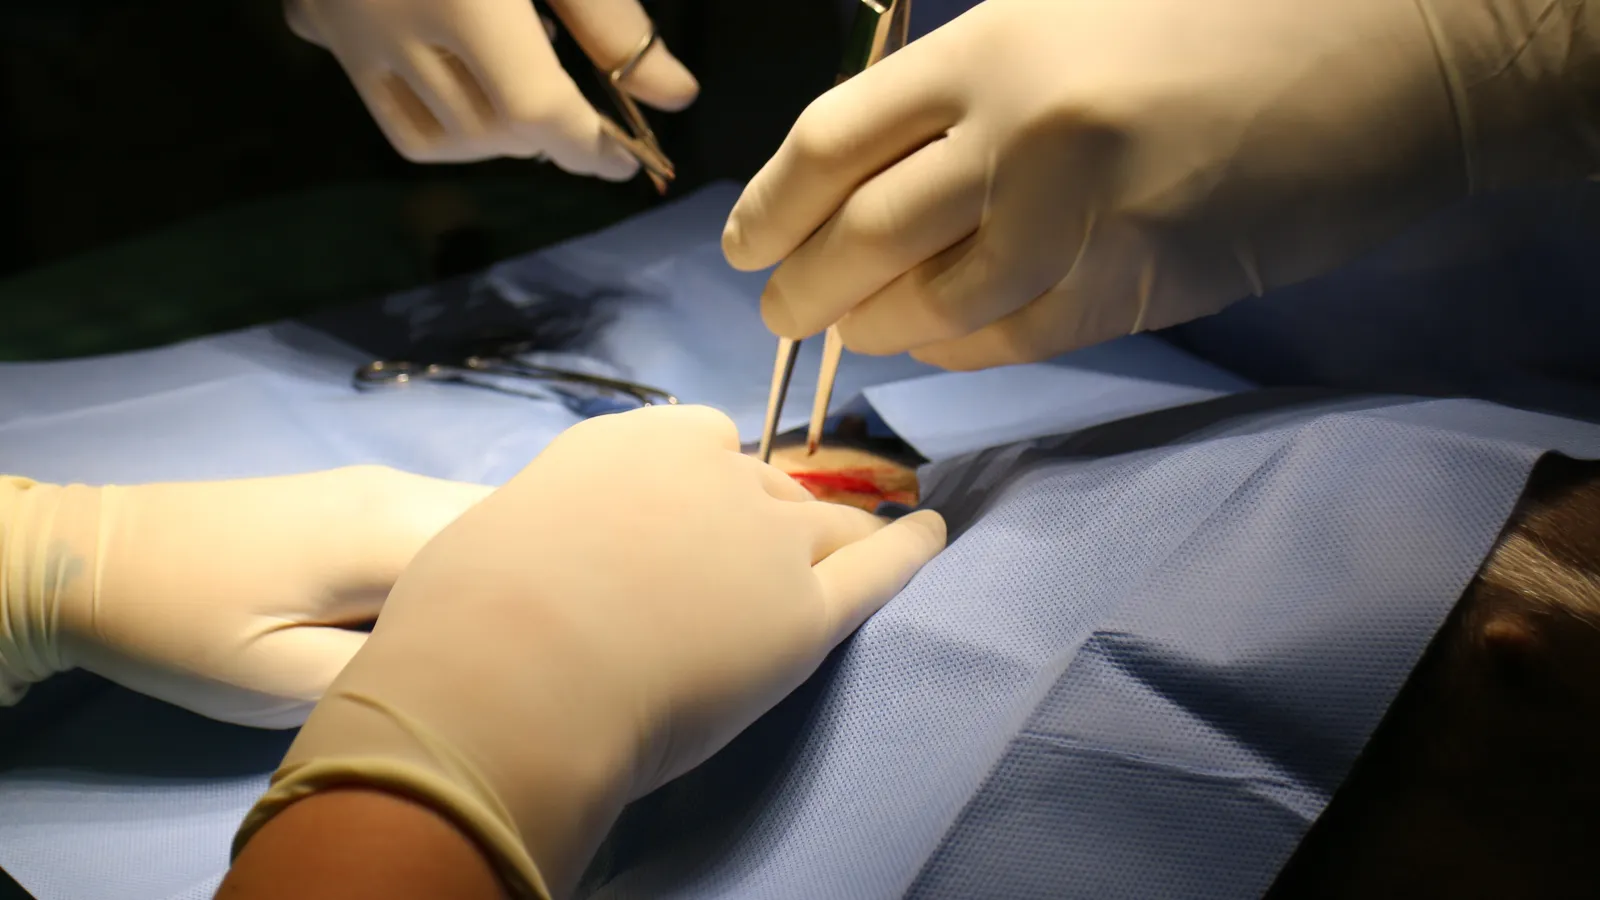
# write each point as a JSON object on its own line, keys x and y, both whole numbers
{"x": 563, "y": 788}
{"x": 356, "y": 842}
{"x": 52, "y": 561}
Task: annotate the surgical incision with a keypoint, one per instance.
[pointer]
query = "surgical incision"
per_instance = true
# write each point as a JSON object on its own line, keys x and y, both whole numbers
{"x": 850, "y": 468}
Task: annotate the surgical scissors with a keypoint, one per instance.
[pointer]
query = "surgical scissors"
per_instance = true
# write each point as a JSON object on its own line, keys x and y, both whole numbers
{"x": 639, "y": 140}
{"x": 483, "y": 371}
{"x": 880, "y": 28}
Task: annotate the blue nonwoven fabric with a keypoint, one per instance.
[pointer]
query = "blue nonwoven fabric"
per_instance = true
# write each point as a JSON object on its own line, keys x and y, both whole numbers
{"x": 267, "y": 401}
{"x": 106, "y": 794}
{"x": 650, "y": 299}
{"x": 1493, "y": 298}
{"x": 878, "y": 776}
{"x": 1145, "y": 662}
{"x": 1148, "y": 657}
{"x": 1122, "y": 378}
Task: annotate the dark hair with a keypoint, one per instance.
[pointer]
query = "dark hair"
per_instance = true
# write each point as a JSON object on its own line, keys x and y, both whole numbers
{"x": 1483, "y": 780}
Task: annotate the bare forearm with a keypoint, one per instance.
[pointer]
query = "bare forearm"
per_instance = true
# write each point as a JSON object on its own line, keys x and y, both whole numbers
{"x": 360, "y": 843}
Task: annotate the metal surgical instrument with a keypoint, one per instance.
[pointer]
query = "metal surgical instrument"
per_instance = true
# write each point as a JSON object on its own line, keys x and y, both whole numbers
{"x": 880, "y": 28}
{"x": 484, "y": 371}
{"x": 639, "y": 140}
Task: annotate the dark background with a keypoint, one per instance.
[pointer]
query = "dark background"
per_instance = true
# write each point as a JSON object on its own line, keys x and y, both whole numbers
{"x": 171, "y": 168}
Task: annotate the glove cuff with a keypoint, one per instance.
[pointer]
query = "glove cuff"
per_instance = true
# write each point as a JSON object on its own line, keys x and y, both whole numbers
{"x": 48, "y": 539}
{"x": 425, "y": 769}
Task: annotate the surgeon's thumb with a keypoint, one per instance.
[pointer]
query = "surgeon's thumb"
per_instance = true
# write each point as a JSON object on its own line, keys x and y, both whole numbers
{"x": 611, "y": 33}
{"x": 858, "y": 579}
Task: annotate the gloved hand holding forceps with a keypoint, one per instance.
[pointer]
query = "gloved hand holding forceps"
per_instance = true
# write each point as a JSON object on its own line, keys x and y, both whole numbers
{"x": 1041, "y": 175}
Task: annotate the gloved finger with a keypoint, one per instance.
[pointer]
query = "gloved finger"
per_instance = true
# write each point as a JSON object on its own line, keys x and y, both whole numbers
{"x": 414, "y": 509}
{"x": 224, "y": 703}
{"x": 511, "y": 58}
{"x": 610, "y": 31}
{"x": 452, "y": 125}
{"x": 1101, "y": 300}
{"x": 897, "y": 220}
{"x": 704, "y": 425}
{"x": 400, "y": 114}
{"x": 845, "y": 136}
{"x": 776, "y": 482}
{"x": 859, "y": 578}
{"x": 271, "y": 682}
{"x": 836, "y": 526}
{"x": 294, "y": 665}
{"x": 1048, "y": 327}
{"x": 496, "y": 137}
{"x": 454, "y": 150}
{"x": 951, "y": 295}
{"x": 1040, "y": 216}
{"x": 445, "y": 85}
{"x": 302, "y": 24}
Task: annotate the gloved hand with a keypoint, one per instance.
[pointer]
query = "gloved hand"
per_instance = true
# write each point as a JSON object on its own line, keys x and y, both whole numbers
{"x": 221, "y": 597}
{"x": 463, "y": 80}
{"x": 607, "y": 620}
{"x": 1041, "y": 175}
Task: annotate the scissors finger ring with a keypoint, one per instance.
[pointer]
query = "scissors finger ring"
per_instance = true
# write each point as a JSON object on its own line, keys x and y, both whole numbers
{"x": 628, "y": 65}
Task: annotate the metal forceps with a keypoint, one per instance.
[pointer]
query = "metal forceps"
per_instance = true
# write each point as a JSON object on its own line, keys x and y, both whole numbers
{"x": 880, "y": 28}
{"x": 482, "y": 371}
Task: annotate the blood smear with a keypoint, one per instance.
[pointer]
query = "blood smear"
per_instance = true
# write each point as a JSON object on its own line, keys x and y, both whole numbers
{"x": 852, "y": 481}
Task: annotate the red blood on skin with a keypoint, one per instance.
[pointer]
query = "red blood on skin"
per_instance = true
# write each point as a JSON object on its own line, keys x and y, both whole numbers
{"x": 849, "y": 481}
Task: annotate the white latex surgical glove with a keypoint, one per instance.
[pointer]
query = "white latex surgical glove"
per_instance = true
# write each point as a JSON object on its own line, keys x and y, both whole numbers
{"x": 226, "y": 598}
{"x": 465, "y": 80}
{"x": 607, "y": 620}
{"x": 1041, "y": 175}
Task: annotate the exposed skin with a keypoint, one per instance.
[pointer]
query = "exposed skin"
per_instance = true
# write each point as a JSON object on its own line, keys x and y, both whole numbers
{"x": 850, "y": 468}
{"x": 852, "y": 471}
{"x": 356, "y": 844}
